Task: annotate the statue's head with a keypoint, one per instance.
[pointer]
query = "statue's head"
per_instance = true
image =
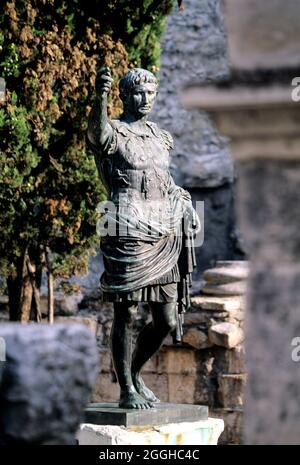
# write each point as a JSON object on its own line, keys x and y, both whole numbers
{"x": 138, "y": 89}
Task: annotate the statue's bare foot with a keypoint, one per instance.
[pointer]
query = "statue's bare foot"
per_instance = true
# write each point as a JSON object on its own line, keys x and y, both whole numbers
{"x": 143, "y": 390}
{"x": 134, "y": 400}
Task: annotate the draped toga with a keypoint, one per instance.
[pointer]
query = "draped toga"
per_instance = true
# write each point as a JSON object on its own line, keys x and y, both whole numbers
{"x": 147, "y": 227}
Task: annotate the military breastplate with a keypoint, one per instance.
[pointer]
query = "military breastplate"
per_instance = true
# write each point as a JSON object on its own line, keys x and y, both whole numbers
{"x": 138, "y": 170}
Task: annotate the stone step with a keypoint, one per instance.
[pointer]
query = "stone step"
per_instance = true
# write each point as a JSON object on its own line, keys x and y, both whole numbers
{"x": 218, "y": 304}
{"x": 224, "y": 275}
{"x": 230, "y": 263}
{"x": 197, "y": 339}
{"x": 230, "y": 289}
{"x": 226, "y": 335}
{"x": 196, "y": 318}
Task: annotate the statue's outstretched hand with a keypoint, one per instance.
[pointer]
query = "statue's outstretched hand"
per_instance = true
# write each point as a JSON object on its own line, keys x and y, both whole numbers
{"x": 103, "y": 81}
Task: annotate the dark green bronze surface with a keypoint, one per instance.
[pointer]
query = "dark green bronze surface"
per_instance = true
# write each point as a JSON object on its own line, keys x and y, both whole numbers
{"x": 146, "y": 229}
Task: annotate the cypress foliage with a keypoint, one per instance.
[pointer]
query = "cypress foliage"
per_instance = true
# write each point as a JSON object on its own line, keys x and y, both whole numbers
{"x": 49, "y": 189}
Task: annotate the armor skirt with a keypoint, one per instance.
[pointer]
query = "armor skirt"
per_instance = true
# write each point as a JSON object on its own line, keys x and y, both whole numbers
{"x": 162, "y": 290}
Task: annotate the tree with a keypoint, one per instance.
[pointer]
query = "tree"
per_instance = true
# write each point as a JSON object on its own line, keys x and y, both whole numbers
{"x": 49, "y": 188}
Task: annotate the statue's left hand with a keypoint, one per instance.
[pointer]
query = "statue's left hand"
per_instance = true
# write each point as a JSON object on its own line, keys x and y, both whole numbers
{"x": 103, "y": 81}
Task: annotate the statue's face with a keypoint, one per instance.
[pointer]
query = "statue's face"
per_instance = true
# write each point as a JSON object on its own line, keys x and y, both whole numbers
{"x": 141, "y": 99}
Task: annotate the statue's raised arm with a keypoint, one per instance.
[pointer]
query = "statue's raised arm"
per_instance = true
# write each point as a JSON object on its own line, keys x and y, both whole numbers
{"x": 99, "y": 129}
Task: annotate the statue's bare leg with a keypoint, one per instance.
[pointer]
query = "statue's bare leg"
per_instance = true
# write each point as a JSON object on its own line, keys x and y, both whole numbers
{"x": 149, "y": 341}
{"x": 121, "y": 347}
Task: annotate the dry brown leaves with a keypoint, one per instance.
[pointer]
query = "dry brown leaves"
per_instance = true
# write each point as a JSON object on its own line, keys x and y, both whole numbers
{"x": 61, "y": 70}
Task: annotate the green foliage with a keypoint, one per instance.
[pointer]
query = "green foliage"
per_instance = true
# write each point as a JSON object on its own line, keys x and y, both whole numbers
{"x": 49, "y": 54}
{"x": 10, "y": 64}
{"x": 138, "y": 24}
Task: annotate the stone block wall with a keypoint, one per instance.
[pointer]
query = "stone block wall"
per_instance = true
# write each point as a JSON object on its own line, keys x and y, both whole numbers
{"x": 207, "y": 368}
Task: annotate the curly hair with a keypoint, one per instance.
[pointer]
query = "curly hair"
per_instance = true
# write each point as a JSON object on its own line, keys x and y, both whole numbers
{"x": 135, "y": 77}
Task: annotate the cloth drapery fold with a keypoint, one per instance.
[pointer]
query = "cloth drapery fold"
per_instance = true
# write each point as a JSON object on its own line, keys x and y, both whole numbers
{"x": 148, "y": 247}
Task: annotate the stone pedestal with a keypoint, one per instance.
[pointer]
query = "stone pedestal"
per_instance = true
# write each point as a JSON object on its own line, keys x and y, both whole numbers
{"x": 203, "y": 432}
{"x": 168, "y": 424}
{"x": 163, "y": 413}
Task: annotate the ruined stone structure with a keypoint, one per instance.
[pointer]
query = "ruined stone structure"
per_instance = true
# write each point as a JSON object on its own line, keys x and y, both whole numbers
{"x": 259, "y": 110}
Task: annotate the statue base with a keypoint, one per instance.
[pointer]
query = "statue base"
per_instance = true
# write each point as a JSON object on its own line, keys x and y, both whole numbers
{"x": 167, "y": 424}
{"x": 163, "y": 413}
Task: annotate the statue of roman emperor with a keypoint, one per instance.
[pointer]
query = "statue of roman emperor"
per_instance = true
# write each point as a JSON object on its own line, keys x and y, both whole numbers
{"x": 149, "y": 254}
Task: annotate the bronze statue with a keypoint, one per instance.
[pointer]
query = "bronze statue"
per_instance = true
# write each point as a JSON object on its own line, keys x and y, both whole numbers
{"x": 150, "y": 256}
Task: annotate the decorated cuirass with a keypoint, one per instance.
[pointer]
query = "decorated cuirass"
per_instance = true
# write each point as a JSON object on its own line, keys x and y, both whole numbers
{"x": 137, "y": 163}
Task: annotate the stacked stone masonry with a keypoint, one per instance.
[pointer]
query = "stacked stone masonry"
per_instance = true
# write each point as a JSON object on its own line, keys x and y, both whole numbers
{"x": 207, "y": 368}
